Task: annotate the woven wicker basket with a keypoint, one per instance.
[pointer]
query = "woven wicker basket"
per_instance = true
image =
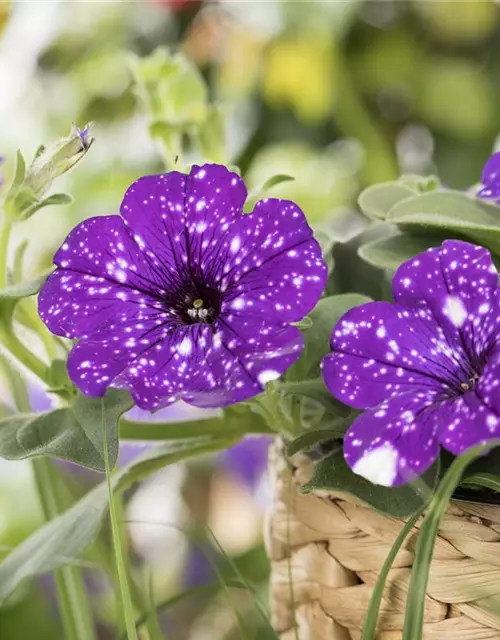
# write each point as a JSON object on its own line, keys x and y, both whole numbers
{"x": 331, "y": 548}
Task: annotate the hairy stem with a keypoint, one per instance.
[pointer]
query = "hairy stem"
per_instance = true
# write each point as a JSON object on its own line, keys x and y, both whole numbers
{"x": 126, "y": 598}
{"x": 76, "y": 613}
{"x": 4, "y": 246}
{"x": 26, "y": 357}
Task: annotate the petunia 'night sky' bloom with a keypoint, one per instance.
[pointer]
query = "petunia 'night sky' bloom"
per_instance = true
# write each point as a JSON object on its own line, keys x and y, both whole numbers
{"x": 426, "y": 368}
{"x": 490, "y": 179}
{"x": 183, "y": 296}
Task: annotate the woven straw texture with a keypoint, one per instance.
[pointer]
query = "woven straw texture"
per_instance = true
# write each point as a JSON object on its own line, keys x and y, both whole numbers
{"x": 332, "y": 548}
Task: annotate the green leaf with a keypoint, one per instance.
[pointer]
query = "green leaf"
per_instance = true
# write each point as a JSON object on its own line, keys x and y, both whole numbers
{"x": 212, "y": 135}
{"x": 275, "y": 180}
{"x": 10, "y": 296}
{"x": 66, "y": 537}
{"x": 171, "y": 88}
{"x": 420, "y": 184}
{"x": 88, "y": 413}
{"x": 317, "y": 338}
{"x": 55, "y": 199}
{"x": 326, "y": 242}
{"x": 55, "y": 433}
{"x": 484, "y": 480}
{"x": 24, "y": 289}
{"x": 260, "y": 192}
{"x": 20, "y": 170}
{"x": 309, "y": 439}
{"x": 389, "y": 253}
{"x": 16, "y": 385}
{"x": 316, "y": 390}
{"x": 450, "y": 211}
{"x": 59, "y": 379}
{"x": 17, "y": 269}
{"x": 376, "y": 201}
{"x": 71, "y": 433}
{"x": 351, "y": 273}
{"x": 486, "y": 464}
{"x": 41, "y": 149}
{"x": 333, "y": 474}
{"x": 415, "y": 602}
{"x": 5, "y": 410}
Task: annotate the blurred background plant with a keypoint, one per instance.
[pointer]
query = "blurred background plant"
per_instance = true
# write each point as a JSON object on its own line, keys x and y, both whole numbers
{"x": 336, "y": 95}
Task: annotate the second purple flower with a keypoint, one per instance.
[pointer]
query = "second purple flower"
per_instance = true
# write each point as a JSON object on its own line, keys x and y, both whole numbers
{"x": 426, "y": 368}
{"x": 183, "y": 296}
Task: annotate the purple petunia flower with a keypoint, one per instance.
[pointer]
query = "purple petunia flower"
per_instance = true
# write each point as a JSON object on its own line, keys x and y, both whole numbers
{"x": 184, "y": 296}
{"x": 426, "y": 369}
{"x": 490, "y": 179}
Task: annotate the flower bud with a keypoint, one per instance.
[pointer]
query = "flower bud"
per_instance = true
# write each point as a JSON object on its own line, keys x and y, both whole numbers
{"x": 26, "y": 194}
{"x": 51, "y": 162}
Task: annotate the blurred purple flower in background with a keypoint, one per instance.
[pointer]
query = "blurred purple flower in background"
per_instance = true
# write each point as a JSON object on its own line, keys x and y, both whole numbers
{"x": 490, "y": 179}
{"x": 199, "y": 567}
{"x": 247, "y": 460}
{"x": 39, "y": 399}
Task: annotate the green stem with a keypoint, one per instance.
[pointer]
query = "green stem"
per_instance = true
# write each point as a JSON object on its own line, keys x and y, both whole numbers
{"x": 128, "y": 610}
{"x": 370, "y": 624}
{"x": 4, "y": 246}
{"x": 219, "y": 427}
{"x": 28, "y": 316}
{"x": 417, "y": 587}
{"x": 151, "y": 622}
{"x": 354, "y": 120}
{"x": 76, "y": 613}
{"x": 12, "y": 343}
{"x": 150, "y": 631}
{"x": 274, "y": 413}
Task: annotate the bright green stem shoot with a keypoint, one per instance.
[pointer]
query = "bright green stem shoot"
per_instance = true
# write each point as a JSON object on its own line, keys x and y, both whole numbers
{"x": 76, "y": 613}
{"x": 415, "y": 603}
{"x": 126, "y": 598}
{"x": 4, "y": 246}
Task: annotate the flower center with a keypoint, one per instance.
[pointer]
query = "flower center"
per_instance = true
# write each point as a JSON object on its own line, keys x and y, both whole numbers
{"x": 199, "y": 313}
{"x": 195, "y": 304}
{"x": 470, "y": 384}
{"x": 469, "y": 375}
